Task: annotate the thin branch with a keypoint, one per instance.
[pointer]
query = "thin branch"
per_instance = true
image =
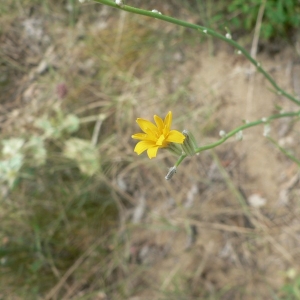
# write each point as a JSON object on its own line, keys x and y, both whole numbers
{"x": 206, "y": 31}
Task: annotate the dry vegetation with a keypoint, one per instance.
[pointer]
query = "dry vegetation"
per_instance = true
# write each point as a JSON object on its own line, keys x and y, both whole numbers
{"x": 103, "y": 223}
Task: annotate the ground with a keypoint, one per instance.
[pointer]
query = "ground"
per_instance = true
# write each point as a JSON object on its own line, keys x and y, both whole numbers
{"x": 226, "y": 226}
{"x": 215, "y": 242}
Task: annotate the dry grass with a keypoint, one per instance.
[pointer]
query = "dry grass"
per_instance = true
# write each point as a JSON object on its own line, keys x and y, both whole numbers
{"x": 125, "y": 232}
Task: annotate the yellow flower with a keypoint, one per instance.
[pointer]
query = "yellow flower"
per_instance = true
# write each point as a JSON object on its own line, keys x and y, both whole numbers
{"x": 155, "y": 137}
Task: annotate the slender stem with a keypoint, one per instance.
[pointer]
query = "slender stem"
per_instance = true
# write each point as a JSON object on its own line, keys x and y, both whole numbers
{"x": 238, "y": 129}
{"x": 207, "y": 31}
{"x": 231, "y": 185}
{"x": 284, "y": 151}
{"x": 180, "y": 159}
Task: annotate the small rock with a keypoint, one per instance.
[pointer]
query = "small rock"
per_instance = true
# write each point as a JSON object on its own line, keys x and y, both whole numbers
{"x": 256, "y": 200}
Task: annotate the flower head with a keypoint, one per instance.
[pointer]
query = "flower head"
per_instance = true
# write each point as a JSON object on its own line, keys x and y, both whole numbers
{"x": 156, "y": 136}
{"x": 189, "y": 145}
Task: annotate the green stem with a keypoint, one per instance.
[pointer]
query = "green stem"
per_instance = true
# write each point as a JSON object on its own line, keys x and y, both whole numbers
{"x": 207, "y": 31}
{"x": 180, "y": 159}
{"x": 240, "y": 128}
{"x": 284, "y": 151}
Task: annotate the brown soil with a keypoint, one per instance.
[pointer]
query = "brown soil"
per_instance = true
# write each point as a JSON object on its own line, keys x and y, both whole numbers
{"x": 198, "y": 235}
{"x": 227, "y": 225}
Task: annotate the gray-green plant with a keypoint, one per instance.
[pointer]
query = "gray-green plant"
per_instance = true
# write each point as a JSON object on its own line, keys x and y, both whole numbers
{"x": 20, "y": 153}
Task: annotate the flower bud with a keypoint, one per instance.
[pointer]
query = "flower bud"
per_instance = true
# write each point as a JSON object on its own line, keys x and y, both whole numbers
{"x": 222, "y": 133}
{"x": 239, "y": 135}
{"x": 175, "y": 149}
{"x": 228, "y": 36}
{"x": 119, "y": 3}
{"x": 156, "y": 11}
{"x": 189, "y": 145}
{"x": 267, "y": 130}
{"x": 171, "y": 172}
{"x": 264, "y": 120}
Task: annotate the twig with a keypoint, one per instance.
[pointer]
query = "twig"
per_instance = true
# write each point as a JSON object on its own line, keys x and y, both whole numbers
{"x": 206, "y": 31}
{"x": 71, "y": 270}
{"x": 253, "y": 53}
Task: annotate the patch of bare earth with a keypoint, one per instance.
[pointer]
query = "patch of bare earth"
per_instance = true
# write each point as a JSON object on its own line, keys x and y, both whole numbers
{"x": 227, "y": 224}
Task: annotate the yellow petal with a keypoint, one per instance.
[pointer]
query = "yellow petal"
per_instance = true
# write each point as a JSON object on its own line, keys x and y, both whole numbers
{"x": 142, "y": 137}
{"x": 140, "y": 147}
{"x": 175, "y": 136}
{"x": 146, "y": 125}
{"x": 160, "y": 141}
{"x": 168, "y": 121}
{"x": 152, "y": 152}
{"x": 159, "y": 123}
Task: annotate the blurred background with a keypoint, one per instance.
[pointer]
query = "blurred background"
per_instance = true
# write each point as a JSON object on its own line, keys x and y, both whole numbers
{"x": 84, "y": 217}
